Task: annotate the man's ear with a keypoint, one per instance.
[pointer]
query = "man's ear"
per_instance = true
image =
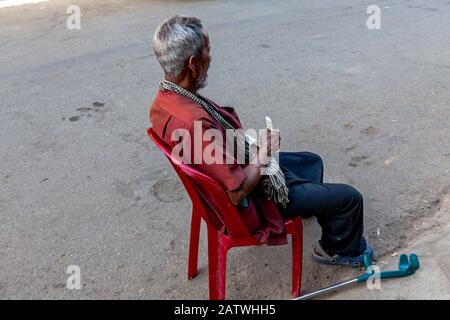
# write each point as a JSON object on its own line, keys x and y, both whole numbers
{"x": 192, "y": 64}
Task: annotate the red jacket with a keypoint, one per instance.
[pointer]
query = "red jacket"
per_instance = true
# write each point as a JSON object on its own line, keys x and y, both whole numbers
{"x": 171, "y": 111}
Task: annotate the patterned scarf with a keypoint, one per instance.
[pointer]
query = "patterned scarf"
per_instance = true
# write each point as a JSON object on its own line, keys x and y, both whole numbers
{"x": 274, "y": 184}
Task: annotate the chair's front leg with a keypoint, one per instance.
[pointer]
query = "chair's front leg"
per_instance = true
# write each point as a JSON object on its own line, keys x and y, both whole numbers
{"x": 217, "y": 265}
{"x": 194, "y": 243}
{"x": 297, "y": 256}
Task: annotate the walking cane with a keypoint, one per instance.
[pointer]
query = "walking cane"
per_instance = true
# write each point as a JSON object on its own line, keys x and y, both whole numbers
{"x": 407, "y": 266}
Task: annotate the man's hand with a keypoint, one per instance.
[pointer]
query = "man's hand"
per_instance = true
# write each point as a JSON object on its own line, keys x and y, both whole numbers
{"x": 252, "y": 177}
{"x": 269, "y": 143}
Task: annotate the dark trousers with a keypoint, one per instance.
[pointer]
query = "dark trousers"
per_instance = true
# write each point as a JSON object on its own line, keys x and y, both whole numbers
{"x": 337, "y": 207}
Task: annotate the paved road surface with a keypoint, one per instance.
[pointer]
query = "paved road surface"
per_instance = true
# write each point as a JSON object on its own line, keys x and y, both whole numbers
{"x": 80, "y": 183}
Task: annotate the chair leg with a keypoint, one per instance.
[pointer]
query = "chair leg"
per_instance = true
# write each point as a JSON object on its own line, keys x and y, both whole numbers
{"x": 297, "y": 255}
{"x": 217, "y": 265}
{"x": 193, "y": 244}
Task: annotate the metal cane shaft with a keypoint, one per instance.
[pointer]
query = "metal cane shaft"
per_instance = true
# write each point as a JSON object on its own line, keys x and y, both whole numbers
{"x": 327, "y": 289}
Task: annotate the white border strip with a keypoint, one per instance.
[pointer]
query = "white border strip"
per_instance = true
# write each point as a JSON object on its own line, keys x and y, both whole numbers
{"x": 13, "y": 3}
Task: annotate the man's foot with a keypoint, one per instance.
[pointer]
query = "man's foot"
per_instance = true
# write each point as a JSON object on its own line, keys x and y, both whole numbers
{"x": 320, "y": 256}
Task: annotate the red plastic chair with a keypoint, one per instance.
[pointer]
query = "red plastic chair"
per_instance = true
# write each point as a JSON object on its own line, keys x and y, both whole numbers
{"x": 237, "y": 233}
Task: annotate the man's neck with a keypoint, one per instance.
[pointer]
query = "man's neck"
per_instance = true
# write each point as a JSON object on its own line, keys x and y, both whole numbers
{"x": 185, "y": 83}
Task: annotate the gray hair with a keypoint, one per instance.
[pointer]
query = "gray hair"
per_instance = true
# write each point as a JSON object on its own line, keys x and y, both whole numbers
{"x": 175, "y": 40}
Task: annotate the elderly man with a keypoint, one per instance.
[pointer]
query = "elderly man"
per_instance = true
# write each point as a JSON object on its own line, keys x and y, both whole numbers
{"x": 264, "y": 190}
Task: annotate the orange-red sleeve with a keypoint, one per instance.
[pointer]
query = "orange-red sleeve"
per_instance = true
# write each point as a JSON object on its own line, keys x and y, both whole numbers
{"x": 229, "y": 175}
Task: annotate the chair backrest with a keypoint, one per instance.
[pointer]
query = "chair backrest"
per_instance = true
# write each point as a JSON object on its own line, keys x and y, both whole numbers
{"x": 194, "y": 180}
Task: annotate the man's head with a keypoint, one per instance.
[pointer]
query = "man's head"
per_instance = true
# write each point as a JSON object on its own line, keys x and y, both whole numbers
{"x": 181, "y": 45}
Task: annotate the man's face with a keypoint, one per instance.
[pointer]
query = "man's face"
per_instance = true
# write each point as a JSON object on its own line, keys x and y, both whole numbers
{"x": 204, "y": 62}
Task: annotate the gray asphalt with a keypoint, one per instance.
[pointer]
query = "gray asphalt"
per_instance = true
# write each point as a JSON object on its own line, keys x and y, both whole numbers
{"x": 81, "y": 184}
